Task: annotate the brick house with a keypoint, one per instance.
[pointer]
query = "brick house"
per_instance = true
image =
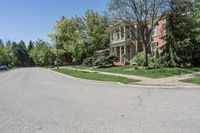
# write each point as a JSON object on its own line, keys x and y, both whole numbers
{"x": 124, "y": 46}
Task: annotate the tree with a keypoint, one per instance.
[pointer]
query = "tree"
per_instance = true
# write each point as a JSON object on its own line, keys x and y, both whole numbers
{"x": 197, "y": 17}
{"x": 42, "y": 54}
{"x": 80, "y": 37}
{"x": 68, "y": 36}
{"x": 30, "y": 47}
{"x": 141, "y": 16}
{"x": 182, "y": 48}
{"x": 22, "y": 53}
{"x": 2, "y": 54}
{"x": 96, "y": 26}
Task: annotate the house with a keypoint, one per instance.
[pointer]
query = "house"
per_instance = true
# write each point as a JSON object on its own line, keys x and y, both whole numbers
{"x": 125, "y": 47}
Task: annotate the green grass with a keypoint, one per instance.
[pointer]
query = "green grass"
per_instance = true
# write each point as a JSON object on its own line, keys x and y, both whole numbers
{"x": 94, "y": 76}
{"x": 152, "y": 73}
{"x": 195, "y": 80}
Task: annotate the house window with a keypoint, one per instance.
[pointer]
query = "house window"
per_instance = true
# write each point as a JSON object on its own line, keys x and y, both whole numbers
{"x": 154, "y": 31}
{"x": 154, "y": 49}
{"x": 129, "y": 34}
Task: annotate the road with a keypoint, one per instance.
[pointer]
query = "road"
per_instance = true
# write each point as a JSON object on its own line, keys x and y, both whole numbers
{"x": 36, "y": 100}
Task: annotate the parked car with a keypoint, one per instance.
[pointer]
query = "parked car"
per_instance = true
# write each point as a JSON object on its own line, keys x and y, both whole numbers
{"x": 4, "y": 68}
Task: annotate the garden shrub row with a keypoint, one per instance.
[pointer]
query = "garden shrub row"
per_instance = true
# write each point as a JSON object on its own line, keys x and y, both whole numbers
{"x": 102, "y": 61}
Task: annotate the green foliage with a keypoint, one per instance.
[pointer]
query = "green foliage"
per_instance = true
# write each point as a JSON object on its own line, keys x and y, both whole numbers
{"x": 182, "y": 48}
{"x": 138, "y": 61}
{"x": 12, "y": 53}
{"x": 2, "y": 54}
{"x": 89, "y": 62}
{"x": 113, "y": 58}
{"x": 79, "y": 37}
{"x": 105, "y": 61}
{"x": 96, "y": 27}
{"x": 42, "y": 54}
{"x": 101, "y": 61}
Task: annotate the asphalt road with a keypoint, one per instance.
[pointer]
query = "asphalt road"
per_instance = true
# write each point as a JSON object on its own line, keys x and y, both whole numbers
{"x": 36, "y": 100}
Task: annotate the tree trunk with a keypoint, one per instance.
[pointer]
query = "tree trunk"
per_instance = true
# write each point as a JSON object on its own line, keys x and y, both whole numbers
{"x": 145, "y": 56}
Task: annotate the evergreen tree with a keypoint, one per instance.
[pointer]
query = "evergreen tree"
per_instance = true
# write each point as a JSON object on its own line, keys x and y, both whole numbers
{"x": 30, "y": 59}
{"x": 180, "y": 36}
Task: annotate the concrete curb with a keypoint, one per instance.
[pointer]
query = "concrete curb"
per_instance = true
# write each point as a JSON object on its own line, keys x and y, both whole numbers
{"x": 147, "y": 86}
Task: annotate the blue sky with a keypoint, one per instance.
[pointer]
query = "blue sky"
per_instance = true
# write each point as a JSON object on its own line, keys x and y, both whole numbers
{"x": 32, "y": 19}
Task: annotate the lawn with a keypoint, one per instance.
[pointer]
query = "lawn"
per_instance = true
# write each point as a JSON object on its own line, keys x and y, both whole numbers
{"x": 152, "y": 73}
{"x": 195, "y": 80}
{"x": 94, "y": 76}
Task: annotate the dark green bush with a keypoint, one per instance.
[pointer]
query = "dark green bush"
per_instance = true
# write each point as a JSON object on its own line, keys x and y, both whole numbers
{"x": 104, "y": 61}
{"x": 89, "y": 62}
{"x": 138, "y": 61}
{"x": 112, "y": 58}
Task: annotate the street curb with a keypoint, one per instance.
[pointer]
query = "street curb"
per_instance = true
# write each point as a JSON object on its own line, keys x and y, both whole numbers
{"x": 130, "y": 85}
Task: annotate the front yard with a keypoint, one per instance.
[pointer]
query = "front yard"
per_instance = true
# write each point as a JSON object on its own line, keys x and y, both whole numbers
{"x": 151, "y": 73}
{"x": 95, "y": 76}
{"x": 195, "y": 80}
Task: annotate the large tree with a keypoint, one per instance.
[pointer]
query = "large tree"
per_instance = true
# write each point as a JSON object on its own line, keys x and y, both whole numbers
{"x": 79, "y": 37}
{"x": 2, "y": 54}
{"x": 29, "y": 48}
{"x": 42, "y": 54}
{"x": 68, "y": 35}
{"x": 182, "y": 47}
{"x": 144, "y": 13}
{"x": 96, "y": 27}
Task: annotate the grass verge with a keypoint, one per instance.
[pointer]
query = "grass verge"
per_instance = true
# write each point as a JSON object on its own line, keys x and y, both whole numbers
{"x": 195, "y": 80}
{"x": 95, "y": 76}
{"x": 151, "y": 73}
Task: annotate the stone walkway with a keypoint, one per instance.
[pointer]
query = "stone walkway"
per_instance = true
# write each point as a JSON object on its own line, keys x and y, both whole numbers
{"x": 168, "y": 81}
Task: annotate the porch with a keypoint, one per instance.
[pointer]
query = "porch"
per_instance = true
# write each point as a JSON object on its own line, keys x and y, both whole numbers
{"x": 124, "y": 51}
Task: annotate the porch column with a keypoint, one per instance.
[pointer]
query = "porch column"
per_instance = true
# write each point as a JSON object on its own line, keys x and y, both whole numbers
{"x": 120, "y": 36}
{"x": 115, "y": 50}
{"x": 120, "y": 53}
{"x": 125, "y": 54}
{"x": 124, "y": 49}
{"x": 124, "y": 32}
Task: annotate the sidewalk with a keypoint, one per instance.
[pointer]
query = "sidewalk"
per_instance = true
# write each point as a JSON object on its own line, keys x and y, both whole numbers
{"x": 168, "y": 81}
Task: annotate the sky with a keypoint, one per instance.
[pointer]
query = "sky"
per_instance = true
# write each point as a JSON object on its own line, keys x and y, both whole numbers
{"x": 32, "y": 19}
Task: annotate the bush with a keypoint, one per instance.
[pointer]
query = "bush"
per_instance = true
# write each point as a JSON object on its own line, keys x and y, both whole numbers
{"x": 138, "y": 61}
{"x": 89, "y": 62}
{"x": 104, "y": 61}
{"x": 101, "y": 61}
{"x": 154, "y": 62}
{"x": 112, "y": 58}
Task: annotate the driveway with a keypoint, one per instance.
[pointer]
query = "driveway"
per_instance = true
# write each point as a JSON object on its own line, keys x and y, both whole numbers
{"x": 36, "y": 100}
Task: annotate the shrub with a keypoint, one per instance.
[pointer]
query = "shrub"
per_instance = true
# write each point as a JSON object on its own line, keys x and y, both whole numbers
{"x": 101, "y": 61}
{"x": 138, "y": 61}
{"x": 89, "y": 62}
{"x": 112, "y": 58}
{"x": 104, "y": 61}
